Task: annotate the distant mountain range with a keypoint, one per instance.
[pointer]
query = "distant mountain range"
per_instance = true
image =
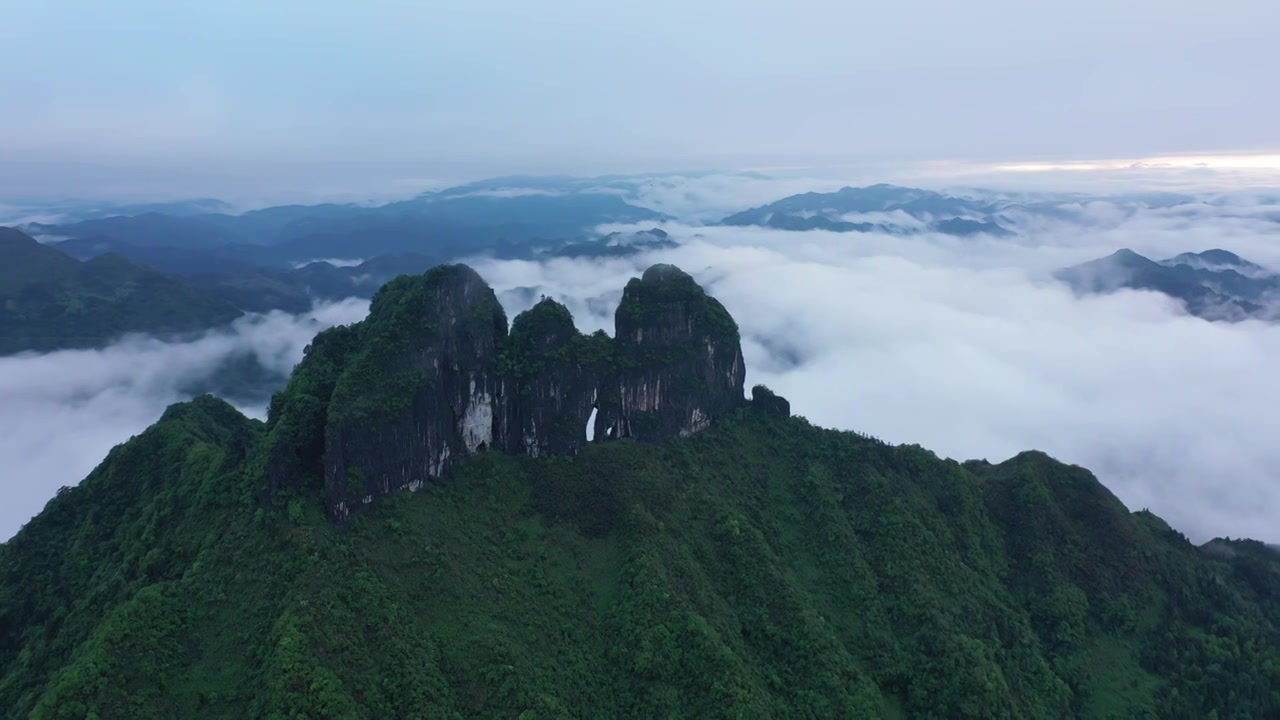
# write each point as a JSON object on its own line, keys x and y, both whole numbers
{"x": 1214, "y": 284}
{"x": 87, "y": 291}
{"x": 521, "y": 217}
{"x": 917, "y": 210}
{"x": 252, "y": 287}
{"x": 617, "y": 244}
{"x": 898, "y": 210}
{"x": 459, "y": 221}
{"x": 71, "y": 211}
{"x": 216, "y": 265}
{"x": 263, "y": 259}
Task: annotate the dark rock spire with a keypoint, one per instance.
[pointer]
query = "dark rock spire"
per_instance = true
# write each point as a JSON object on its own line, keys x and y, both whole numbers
{"x": 432, "y": 376}
{"x": 679, "y": 360}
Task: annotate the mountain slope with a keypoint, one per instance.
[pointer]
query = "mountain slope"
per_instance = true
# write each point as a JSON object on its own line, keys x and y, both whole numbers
{"x": 27, "y": 262}
{"x": 84, "y": 578}
{"x": 153, "y": 228}
{"x": 761, "y": 567}
{"x": 227, "y": 274}
{"x": 1216, "y": 259}
{"x": 171, "y": 259}
{"x": 50, "y": 301}
{"x": 1214, "y": 285}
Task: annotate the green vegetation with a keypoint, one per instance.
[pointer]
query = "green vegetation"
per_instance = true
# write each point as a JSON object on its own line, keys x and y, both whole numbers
{"x": 660, "y": 304}
{"x": 290, "y": 454}
{"x": 763, "y": 568}
{"x": 50, "y": 301}
{"x": 544, "y": 334}
{"x": 664, "y": 287}
{"x": 407, "y": 316}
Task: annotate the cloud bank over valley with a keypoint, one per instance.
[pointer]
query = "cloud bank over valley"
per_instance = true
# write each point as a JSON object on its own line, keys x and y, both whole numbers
{"x": 966, "y": 344}
{"x": 970, "y": 348}
{"x": 61, "y": 412}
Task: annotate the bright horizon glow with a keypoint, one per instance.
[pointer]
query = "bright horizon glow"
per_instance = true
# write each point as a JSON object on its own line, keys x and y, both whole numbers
{"x": 1217, "y": 161}
{"x": 1187, "y": 172}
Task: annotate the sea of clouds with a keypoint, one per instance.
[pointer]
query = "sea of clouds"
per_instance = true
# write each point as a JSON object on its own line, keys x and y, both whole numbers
{"x": 61, "y": 412}
{"x": 970, "y": 348}
{"x": 965, "y": 346}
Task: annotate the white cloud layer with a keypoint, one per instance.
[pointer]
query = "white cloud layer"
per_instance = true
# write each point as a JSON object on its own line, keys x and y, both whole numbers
{"x": 61, "y": 412}
{"x": 336, "y": 262}
{"x": 968, "y": 348}
{"x": 965, "y": 346}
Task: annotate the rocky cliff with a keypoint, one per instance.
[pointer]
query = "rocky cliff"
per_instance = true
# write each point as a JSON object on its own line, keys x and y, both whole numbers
{"x": 433, "y": 376}
{"x": 422, "y": 390}
{"x": 678, "y": 360}
{"x": 552, "y": 377}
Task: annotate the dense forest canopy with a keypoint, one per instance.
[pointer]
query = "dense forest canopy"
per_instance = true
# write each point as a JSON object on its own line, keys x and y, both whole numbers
{"x": 761, "y": 567}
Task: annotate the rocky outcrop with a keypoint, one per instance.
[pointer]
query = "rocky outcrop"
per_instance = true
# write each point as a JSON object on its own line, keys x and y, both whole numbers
{"x": 432, "y": 376}
{"x": 678, "y": 360}
{"x": 291, "y": 454}
{"x": 764, "y": 400}
{"x": 553, "y": 379}
{"x": 422, "y": 393}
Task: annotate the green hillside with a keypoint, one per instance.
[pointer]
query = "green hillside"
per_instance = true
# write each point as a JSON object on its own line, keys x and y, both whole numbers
{"x": 761, "y": 568}
{"x": 764, "y": 568}
{"x": 51, "y": 301}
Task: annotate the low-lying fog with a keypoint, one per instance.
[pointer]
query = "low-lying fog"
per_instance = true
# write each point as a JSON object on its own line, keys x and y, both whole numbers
{"x": 965, "y": 346}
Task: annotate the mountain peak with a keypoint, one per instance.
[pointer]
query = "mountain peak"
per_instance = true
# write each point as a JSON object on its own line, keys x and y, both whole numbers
{"x": 1224, "y": 257}
{"x": 411, "y": 302}
{"x": 14, "y": 237}
{"x": 433, "y": 376}
{"x": 666, "y": 273}
{"x": 1205, "y": 288}
{"x": 547, "y": 324}
{"x": 1215, "y": 259}
{"x": 1124, "y": 258}
{"x": 1127, "y": 254}
{"x": 679, "y": 358}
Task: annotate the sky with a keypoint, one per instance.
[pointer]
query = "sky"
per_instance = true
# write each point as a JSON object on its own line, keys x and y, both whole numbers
{"x": 150, "y": 97}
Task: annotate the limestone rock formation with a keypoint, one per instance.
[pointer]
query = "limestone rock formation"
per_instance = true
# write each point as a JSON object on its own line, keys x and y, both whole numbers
{"x": 679, "y": 360}
{"x": 553, "y": 378}
{"x": 768, "y": 402}
{"x": 432, "y": 376}
{"x": 421, "y": 393}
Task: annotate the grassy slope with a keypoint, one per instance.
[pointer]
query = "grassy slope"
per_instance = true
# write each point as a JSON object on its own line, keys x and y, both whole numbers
{"x": 762, "y": 568}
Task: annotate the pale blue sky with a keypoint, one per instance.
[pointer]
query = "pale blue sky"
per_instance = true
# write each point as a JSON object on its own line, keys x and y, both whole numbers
{"x": 118, "y": 97}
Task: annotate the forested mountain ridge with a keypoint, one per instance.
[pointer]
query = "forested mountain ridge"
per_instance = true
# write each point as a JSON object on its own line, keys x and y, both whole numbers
{"x": 49, "y": 300}
{"x": 1213, "y": 285}
{"x": 444, "y": 224}
{"x": 757, "y": 566}
{"x": 946, "y": 214}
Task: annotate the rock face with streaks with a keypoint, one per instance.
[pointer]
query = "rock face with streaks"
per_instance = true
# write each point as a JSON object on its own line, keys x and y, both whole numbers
{"x": 432, "y": 377}
{"x": 421, "y": 393}
{"x": 553, "y": 379}
{"x": 678, "y": 360}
